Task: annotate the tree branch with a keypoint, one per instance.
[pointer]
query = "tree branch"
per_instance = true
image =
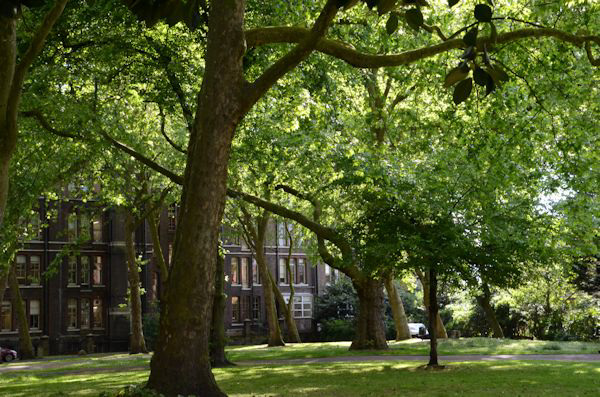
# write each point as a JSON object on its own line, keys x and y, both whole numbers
{"x": 347, "y": 53}
{"x": 39, "y": 117}
{"x": 305, "y": 46}
{"x": 35, "y": 47}
{"x": 164, "y": 133}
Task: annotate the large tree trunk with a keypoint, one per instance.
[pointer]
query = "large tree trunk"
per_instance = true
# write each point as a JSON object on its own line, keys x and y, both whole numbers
{"x": 181, "y": 363}
{"x": 274, "y": 338}
{"x": 433, "y": 316}
{"x": 440, "y": 328}
{"x": 137, "y": 344}
{"x": 370, "y": 327}
{"x": 400, "y": 319}
{"x": 293, "y": 334}
{"x": 8, "y": 40}
{"x": 218, "y": 340}
{"x": 25, "y": 345}
{"x": 490, "y": 314}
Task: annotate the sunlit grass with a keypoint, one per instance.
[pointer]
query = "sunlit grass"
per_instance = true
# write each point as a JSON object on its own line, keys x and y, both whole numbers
{"x": 507, "y": 378}
{"x": 414, "y": 347}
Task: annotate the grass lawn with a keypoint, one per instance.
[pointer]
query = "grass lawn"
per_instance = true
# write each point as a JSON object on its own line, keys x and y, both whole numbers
{"x": 509, "y": 378}
{"x": 413, "y": 347}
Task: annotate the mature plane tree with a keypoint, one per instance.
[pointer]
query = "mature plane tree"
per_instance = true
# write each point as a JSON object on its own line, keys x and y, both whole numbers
{"x": 227, "y": 94}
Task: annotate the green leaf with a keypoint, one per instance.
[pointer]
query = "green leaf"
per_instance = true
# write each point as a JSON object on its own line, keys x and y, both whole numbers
{"x": 469, "y": 53}
{"x": 490, "y": 86}
{"x": 455, "y": 75}
{"x": 483, "y": 13}
{"x": 498, "y": 74}
{"x": 470, "y": 38}
{"x": 481, "y": 77}
{"x": 385, "y": 6}
{"x": 414, "y": 18}
{"x": 462, "y": 91}
{"x": 452, "y": 3}
{"x": 392, "y": 24}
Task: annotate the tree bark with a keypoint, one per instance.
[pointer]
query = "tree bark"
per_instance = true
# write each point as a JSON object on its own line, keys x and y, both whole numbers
{"x": 275, "y": 338}
{"x": 440, "y": 328}
{"x": 370, "y": 327}
{"x": 3, "y": 281}
{"x": 158, "y": 253}
{"x": 433, "y": 317}
{"x": 25, "y": 345}
{"x": 8, "y": 40}
{"x": 181, "y": 363}
{"x": 288, "y": 315}
{"x": 490, "y": 314}
{"x": 293, "y": 334}
{"x": 137, "y": 343}
{"x": 218, "y": 357}
{"x": 400, "y": 319}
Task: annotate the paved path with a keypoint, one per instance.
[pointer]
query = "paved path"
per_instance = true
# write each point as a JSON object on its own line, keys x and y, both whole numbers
{"x": 70, "y": 367}
{"x": 457, "y": 358}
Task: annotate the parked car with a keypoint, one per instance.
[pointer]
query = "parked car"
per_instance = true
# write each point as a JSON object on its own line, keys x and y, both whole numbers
{"x": 7, "y": 354}
{"x": 418, "y": 330}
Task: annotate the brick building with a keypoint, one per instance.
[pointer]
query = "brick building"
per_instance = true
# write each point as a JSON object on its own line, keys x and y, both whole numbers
{"x": 73, "y": 280}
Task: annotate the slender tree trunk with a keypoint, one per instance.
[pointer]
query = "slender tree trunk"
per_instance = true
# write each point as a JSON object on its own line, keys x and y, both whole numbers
{"x": 8, "y": 40}
{"x": 181, "y": 363}
{"x": 433, "y": 315}
{"x": 137, "y": 343}
{"x": 490, "y": 314}
{"x": 158, "y": 253}
{"x": 3, "y": 281}
{"x": 400, "y": 319}
{"x": 441, "y": 329}
{"x": 274, "y": 338}
{"x": 218, "y": 340}
{"x": 25, "y": 345}
{"x": 370, "y": 327}
{"x": 287, "y": 314}
{"x": 293, "y": 334}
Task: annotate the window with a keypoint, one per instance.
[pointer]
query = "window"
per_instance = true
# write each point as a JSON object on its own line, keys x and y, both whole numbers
{"x": 97, "y": 274}
{"x": 85, "y": 270}
{"x": 282, "y": 235}
{"x": 302, "y": 306}
{"x": 235, "y": 309}
{"x": 172, "y": 215}
{"x": 72, "y": 226}
{"x": 97, "y": 313}
{"x": 327, "y": 274}
{"x": 170, "y": 254}
{"x": 245, "y": 275}
{"x": 235, "y": 271}
{"x": 85, "y": 314}
{"x": 246, "y": 307}
{"x": 300, "y": 271}
{"x": 283, "y": 276}
{"x": 97, "y": 229}
{"x": 34, "y": 314}
{"x": 6, "y": 316}
{"x": 21, "y": 268}
{"x": 256, "y": 308}
{"x": 72, "y": 313}
{"x": 35, "y": 226}
{"x": 72, "y": 271}
{"x": 84, "y": 227}
{"x": 255, "y": 273}
{"x": 34, "y": 270}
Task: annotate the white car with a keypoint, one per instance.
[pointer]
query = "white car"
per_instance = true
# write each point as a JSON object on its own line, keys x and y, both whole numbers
{"x": 418, "y": 330}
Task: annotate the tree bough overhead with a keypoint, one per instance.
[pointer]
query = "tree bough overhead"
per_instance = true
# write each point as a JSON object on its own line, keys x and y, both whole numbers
{"x": 181, "y": 364}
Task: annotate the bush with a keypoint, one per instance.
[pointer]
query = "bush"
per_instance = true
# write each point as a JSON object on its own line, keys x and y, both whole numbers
{"x": 337, "y": 330}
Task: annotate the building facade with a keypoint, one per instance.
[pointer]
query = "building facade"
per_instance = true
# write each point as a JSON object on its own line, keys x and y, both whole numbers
{"x": 73, "y": 280}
